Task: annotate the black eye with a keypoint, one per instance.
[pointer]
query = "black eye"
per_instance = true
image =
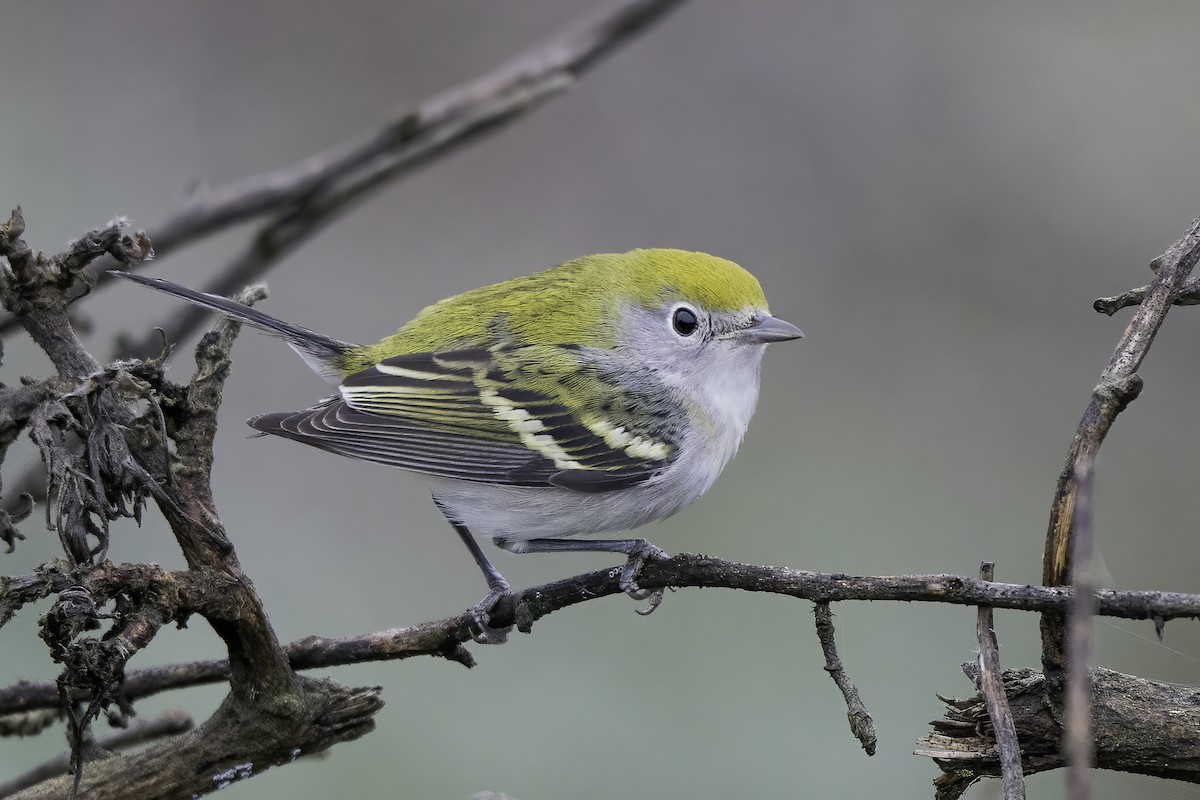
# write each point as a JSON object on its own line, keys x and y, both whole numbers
{"x": 685, "y": 321}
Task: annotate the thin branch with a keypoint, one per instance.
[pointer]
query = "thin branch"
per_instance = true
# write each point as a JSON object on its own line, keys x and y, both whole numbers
{"x": 1189, "y": 295}
{"x": 1079, "y": 745}
{"x": 29, "y": 723}
{"x": 1118, "y": 386}
{"x": 445, "y": 638}
{"x": 170, "y": 723}
{"x": 991, "y": 686}
{"x": 861, "y": 724}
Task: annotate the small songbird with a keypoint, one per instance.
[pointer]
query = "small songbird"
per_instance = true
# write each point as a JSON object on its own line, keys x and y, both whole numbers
{"x": 592, "y": 397}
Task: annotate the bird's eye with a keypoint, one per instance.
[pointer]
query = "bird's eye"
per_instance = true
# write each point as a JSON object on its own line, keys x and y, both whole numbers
{"x": 684, "y": 321}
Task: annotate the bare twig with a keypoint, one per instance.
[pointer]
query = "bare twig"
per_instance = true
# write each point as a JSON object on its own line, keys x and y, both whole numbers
{"x": 991, "y": 686}
{"x": 1118, "y": 386}
{"x": 170, "y": 723}
{"x": 1189, "y": 295}
{"x": 861, "y": 724}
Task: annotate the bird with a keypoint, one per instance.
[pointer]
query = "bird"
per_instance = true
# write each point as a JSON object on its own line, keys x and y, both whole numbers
{"x": 592, "y": 397}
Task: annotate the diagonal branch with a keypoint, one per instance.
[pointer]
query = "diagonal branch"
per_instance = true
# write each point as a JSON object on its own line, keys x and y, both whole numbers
{"x": 1078, "y": 740}
{"x": 990, "y": 683}
{"x": 861, "y": 723}
{"x": 1119, "y": 385}
{"x": 310, "y": 194}
{"x": 170, "y": 723}
{"x": 307, "y": 195}
{"x": 438, "y": 127}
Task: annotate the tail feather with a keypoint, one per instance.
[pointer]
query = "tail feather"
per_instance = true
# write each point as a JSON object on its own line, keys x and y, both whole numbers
{"x": 325, "y": 356}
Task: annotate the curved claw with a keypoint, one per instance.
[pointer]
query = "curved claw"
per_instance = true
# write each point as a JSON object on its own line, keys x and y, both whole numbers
{"x": 655, "y": 598}
{"x": 629, "y": 572}
{"x": 481, "y": 631}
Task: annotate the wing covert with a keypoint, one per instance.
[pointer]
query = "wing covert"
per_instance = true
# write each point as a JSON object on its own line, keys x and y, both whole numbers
{"x": 462, "y": 415}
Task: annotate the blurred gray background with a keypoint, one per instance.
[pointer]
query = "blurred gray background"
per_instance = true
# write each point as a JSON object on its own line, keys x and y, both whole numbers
{"x": 934, "y": 191}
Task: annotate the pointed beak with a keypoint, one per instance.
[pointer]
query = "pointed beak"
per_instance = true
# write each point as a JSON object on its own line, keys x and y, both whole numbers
{"x": 765, "y": 329}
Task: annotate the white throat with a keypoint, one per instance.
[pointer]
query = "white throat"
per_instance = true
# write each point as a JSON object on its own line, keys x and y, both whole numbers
{"x": 726, "y": 392}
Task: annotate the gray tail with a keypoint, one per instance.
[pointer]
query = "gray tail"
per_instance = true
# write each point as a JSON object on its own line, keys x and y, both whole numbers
{"x": 324, "y": 355}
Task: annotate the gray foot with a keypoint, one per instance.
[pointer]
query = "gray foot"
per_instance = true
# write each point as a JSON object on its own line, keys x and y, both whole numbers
{"x": 629, "y": 573}
{"x": 481, "y": 631}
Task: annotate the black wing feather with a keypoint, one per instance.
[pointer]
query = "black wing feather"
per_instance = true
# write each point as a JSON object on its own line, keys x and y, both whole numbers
{"x": 426, "y": 413}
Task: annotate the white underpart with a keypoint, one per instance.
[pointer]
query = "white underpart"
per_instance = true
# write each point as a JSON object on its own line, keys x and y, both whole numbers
{"x": 719, "y": 385}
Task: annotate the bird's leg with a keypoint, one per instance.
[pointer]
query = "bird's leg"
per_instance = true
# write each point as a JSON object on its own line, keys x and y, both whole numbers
{"x": 497, "y": 586}
{"x": 639, "y": 551}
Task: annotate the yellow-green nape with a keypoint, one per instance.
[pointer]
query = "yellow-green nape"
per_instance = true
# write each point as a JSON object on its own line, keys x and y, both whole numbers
{"x": 657, "y": 275}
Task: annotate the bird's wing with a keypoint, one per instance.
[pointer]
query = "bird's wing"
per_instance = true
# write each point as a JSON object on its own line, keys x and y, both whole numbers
{"x": 461, "y": 415}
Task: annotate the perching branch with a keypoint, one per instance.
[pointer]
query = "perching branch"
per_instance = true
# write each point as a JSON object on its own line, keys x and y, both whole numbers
{"x": 445, "y": 638}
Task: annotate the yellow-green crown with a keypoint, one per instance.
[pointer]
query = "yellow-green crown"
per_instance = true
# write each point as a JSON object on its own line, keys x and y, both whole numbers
{"x": 575, "y": 302}
{"x": 659, "y": 274}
